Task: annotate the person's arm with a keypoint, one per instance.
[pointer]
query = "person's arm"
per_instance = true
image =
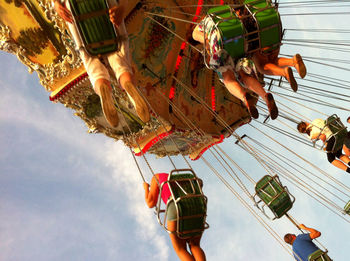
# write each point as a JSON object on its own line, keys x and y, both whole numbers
{"x": 320, "y": 137}
{"x": 117, "y": 13}
{"x": 313, "y": 232}
{"x": 151, "y": 194}
{"x": 62, "y": 10}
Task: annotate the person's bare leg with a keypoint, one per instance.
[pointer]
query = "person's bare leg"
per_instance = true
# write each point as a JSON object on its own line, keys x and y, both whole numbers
{"x": 179, "y": 245}
{"x": 296, "y": 62}
{"x": 277, "y": 69}
{"x": 345, "y": 159}
{"x": 103, "y": 89}
{"x": 254, "y": 85}
{"x": 266, "y": 67}
{"x": 284, "y": 62}
{"x": 238, "y": 91}
{"x": 233, "y": 86}
{"x": 127, "y": 83}
{"x": 196, "y": 250}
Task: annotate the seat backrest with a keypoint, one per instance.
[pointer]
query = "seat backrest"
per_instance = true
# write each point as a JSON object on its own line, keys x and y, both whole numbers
{"x": 94, "y": 26}
{"x": 334, "y": 124}
{"x": 270, "y": 190}
{"x": 268, "y": 21}
{"x": 231, "y": 30}
{"x": 319, "y": 255}
{"x": 338, "y": 130}
{"x": 190, "y": 203}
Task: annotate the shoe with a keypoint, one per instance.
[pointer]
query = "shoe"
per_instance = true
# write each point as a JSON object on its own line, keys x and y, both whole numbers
{"x": 250, "y": 104}
{"x": 108, "y": 107}
{"x": 138, "y": 102}
{"x": 290, "y": 78}
{"x": 271, "y": 105}
{"x": 299, "y": 65}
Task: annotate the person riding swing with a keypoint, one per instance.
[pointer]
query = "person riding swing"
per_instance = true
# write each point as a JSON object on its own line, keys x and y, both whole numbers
{"x": 303, "y": 247}
{"x": 185, "y": 211}
{"x": 95, "y": 57}
{"x": 334, "y": 136}
{"x": 227, "y": 57}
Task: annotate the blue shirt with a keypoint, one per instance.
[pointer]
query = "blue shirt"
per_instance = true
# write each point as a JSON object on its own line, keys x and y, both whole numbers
{"x": 303, "y": 247}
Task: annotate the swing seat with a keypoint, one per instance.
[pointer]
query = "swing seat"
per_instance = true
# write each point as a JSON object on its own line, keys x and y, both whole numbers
{"x": 347, "y": 208}
{"x": 339, "y": 131}
{"x": 273, "y": 195}
{"x": 268, "y": 23}
{"x": 190, "y": 203}
{"x": 97, "y": 32}
{"x": 319, "y": 255}
{"x": 231, "y": 30}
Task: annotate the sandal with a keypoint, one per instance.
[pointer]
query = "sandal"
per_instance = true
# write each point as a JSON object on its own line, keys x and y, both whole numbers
{"x": 250, "y": 104}
{"x": 271, "y": 105}
{"x": 290, "y": 78}
{"x": 108, "y": 107}
{"x": 299, "y": 65}
{"x": 138, "y": 102}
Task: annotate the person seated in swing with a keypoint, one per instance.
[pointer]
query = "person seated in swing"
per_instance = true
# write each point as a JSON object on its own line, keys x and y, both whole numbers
{"x": 267, "y": 60}
{"x": 231, "y": 72}
{"x": 302, "y": 244}
{"x": 317, "y": 130}
{"x": 119, "y": 61}
{"x": 180, "y": 245}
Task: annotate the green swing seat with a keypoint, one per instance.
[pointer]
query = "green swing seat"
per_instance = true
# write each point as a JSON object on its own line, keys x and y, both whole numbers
{"x": 268, "y": 23}
{"x": 239, "y": 40}
{"x": 339, "y": 131}
{"x": 190, "y": 203}
{"x": 273, "y": 195}
{"x": 98, "y": 34}
{"x": 347, "y": 208}
{"x": 319, "y": 255}
{"x": 231, "y": 29}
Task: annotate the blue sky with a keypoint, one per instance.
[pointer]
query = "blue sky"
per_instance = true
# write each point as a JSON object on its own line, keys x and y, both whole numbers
{"x": 69, "y": 195}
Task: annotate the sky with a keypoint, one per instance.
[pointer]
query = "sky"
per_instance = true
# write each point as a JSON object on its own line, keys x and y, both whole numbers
{"x": 69, "y": 195}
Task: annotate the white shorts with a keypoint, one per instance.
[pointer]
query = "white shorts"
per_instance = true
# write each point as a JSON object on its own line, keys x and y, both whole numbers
{"x": 120, "y": 61}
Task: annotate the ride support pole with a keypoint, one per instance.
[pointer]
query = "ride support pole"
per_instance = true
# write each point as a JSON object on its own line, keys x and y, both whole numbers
{"x": 292, "y": 220}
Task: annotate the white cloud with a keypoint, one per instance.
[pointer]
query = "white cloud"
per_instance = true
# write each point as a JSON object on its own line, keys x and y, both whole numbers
{"x": 30, "y": 232}
{"x": 126, "y": 177}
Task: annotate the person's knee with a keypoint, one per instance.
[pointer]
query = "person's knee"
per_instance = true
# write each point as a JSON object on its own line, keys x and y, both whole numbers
{"x": 102, "y": 80}
{"x": 99, "y": 83}
{"x": 178, "y": 245}
{"x": 228, "y": 76}
{"x": 125, "y": 76}
{"x": 178, "y": 248}
{"x": 195, "y": 242}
